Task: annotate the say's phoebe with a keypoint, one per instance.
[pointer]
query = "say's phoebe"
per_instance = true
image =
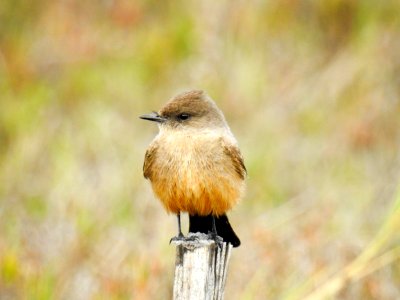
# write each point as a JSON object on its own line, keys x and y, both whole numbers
{"x": 194, "y": 164}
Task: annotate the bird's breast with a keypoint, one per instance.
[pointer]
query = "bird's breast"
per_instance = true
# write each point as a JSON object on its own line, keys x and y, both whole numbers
{"x": 193, "y": 174}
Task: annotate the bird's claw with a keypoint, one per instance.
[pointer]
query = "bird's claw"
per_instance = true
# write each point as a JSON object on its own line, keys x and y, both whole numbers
{"x": 216, "y": 238}
{"x": 179, "y": 238}
{"x": 192, "y": 237}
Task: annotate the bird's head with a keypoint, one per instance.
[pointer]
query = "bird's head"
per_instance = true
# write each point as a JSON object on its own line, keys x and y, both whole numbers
{"x": 192, "y": 110}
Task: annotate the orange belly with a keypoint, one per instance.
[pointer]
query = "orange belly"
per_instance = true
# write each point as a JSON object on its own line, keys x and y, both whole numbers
{"x": 194, "y": 175}
{"x": 201, "y": 195}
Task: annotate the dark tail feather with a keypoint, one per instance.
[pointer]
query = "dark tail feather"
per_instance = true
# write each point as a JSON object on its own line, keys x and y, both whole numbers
{"x": 224, "y": 229}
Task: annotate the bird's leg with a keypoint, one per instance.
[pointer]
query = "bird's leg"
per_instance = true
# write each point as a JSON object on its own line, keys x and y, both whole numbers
{"x": 180, "y": 236}
{"x": 214, "y": 235}
{"x": 214, "y": 228}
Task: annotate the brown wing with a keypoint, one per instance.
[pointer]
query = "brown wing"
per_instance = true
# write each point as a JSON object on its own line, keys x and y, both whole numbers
{"x": 233, "y": 152}
{"x": 149, "y": 159}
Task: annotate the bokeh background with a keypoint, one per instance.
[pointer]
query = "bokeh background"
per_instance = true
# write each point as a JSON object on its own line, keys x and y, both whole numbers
{"x": 311, "y": 90}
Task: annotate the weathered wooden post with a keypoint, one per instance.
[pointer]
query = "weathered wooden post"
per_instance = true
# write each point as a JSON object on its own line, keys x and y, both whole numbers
{"x": 200, "y": 268}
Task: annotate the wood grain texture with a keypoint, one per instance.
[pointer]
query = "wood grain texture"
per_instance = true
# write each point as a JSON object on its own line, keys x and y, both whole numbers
{"x": 201, "y": 268}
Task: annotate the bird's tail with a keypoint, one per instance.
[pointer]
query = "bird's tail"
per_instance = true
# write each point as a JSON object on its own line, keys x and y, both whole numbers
{"x": 203, "y": 224}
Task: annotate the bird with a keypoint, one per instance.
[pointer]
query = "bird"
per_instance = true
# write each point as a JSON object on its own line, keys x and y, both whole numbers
{"x": 195, "y": 165}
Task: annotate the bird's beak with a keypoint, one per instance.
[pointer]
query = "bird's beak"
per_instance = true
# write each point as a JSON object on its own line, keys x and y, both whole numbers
{"x": 154, "y": 116}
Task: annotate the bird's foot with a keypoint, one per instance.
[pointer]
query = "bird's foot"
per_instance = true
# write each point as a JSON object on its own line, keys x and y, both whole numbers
{"x": 217, "y": 239}
{"x": 193, "y": 237}
{"x": 179, "y": 238}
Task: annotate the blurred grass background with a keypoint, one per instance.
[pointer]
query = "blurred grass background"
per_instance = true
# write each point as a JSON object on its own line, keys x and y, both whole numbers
{"x": 311, "y": 90}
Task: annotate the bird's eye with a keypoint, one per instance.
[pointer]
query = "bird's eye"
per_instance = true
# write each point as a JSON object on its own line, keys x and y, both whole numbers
{"x": 183, "y": 117}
